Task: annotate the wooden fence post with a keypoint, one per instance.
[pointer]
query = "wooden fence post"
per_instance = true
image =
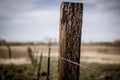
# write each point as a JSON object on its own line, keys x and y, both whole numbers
{"x": 48, "y": 68}
{"x": 9, "y": 52}
{"x": 70, "y": 40}
{"x": 39, "y": 67}
{"x": 33, "y": 61}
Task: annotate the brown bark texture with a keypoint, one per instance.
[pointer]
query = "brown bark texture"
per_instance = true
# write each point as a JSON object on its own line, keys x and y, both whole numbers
{"x": 70, "y": 40}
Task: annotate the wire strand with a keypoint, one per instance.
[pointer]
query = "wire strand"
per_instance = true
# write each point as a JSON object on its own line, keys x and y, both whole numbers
{"x": 91, "y": 69}
{"x": 69, "y": 61}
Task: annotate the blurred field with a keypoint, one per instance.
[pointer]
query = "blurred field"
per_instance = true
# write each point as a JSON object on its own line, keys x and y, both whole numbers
{"x": 92, "y": 53}
{"x": 28, "y": 72}
{"x": 99, "y": 62}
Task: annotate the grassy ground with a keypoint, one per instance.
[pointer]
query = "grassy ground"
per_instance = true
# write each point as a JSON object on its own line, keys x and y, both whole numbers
{"x": 28, "y": 72}
{"x": 100, "y": 72}
{"x": 18, "y": 51}
{"x": 89, "y": 71}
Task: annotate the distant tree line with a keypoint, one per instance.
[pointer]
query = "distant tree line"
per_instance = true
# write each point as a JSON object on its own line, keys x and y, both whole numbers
{"x": 4, "y": 42}
{"x": 115, "y": 43}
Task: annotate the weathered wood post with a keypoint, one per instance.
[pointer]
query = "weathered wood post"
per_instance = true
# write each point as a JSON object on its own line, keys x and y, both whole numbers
{"x": 9, "y": 51}
{"x": 70, "y": 40}
{"x": 39, "y": 67}
{"x": 48, "y": 68}
{"x": 31, "y": 56}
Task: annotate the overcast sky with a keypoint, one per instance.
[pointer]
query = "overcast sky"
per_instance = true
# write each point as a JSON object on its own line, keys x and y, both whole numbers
{"x": 34, "y": 20}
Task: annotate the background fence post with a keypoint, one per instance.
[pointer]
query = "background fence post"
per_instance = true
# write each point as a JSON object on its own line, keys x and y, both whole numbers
{"x": 9, "y": 52}
{"x": 48, "y": 68}
{"x": 39, "y": 67}
{"x": 30, "y": 53}
{"x": 70, "y": 40}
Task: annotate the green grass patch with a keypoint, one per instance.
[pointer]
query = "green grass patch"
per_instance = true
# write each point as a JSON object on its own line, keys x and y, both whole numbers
{"x": 92, "y": 71}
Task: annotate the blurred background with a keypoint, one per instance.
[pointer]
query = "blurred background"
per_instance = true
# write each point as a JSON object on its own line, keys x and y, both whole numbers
{"x": 28, "y": 27}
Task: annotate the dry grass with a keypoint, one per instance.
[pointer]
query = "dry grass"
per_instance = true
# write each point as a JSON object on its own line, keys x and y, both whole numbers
{"x": 89, "y": 53}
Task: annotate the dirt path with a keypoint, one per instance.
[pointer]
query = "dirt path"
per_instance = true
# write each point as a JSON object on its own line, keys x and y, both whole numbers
{"x": 19, "y": 61}
{"x": 93, "y": 57}
{"x": 100, "y": 58}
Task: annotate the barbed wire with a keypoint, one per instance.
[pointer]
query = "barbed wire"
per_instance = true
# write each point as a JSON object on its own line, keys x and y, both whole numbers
{"x": 80, "y": 65}
{"x": 69, "y": 61}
